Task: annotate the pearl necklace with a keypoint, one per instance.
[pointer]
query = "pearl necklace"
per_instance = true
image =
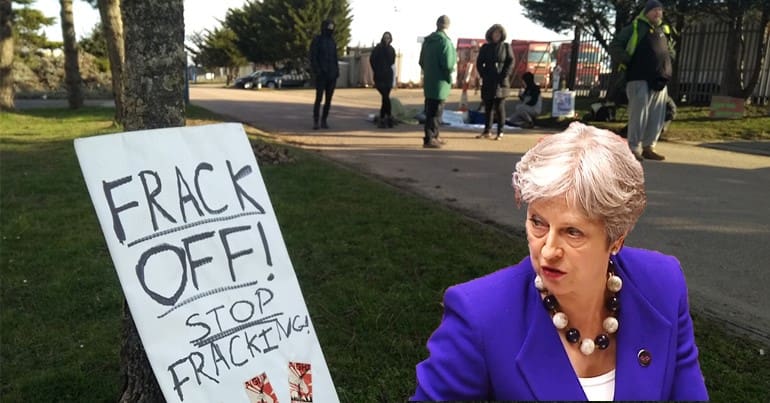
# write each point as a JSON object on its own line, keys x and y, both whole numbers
{"x": 560, "y": 321}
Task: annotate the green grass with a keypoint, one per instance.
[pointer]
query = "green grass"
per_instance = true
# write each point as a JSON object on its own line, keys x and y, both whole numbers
{"x": 692, "y": 123}
{"x": 372, "y": 283}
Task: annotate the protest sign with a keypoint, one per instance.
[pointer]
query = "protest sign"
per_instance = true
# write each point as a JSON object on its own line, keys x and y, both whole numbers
{"x": 723, "y": 107}
{"x": 563, "y": 104}
{"x": 203, "y": 265}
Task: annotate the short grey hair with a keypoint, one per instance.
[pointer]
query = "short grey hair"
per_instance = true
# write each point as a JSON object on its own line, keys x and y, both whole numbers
{"x": 593, "y": 169}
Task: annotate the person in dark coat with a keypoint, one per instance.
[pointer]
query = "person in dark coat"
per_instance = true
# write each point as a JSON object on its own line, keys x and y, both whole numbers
{"x": 494, "y": 64}
{"x": 323, "y": 62}
{"x": 382, "y": 60}
{"x": 438, "y": 59}
{"x": 645, "y": 50}
{"x": 531, "y": 103}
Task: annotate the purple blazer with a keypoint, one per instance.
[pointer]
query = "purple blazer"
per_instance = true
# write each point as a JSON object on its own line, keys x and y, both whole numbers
{"x": 497, "y": 342}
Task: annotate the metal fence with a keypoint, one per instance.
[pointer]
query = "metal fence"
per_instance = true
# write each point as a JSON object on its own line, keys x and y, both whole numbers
{"x": 701, "y": 62}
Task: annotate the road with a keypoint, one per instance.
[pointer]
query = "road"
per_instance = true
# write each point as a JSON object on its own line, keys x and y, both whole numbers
{"x": 709, "y": 207}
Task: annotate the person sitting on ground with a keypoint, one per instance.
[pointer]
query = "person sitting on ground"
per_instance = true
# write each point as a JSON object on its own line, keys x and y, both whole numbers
{"x": 583, "y": 316}
{"x": 531, "y": 104}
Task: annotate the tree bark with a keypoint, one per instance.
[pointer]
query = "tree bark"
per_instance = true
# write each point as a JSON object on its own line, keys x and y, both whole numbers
{"x": 72, "y": 77}
{"x": 760, "y": 54}
{"x": 112, "y": 25}
{"x": 731, "y": 80}
{"x": 680, "y": 24}
{"x": 735, "y": 83}
{"x": 139, "y": 382}
{"x": 153, "y": 98}
{"x": 571, "y": 77}
{"x": 155, "y": 63}
{"x": 6, "y": 56}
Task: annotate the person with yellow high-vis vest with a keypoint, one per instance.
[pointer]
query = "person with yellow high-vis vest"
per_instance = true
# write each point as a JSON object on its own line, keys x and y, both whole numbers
{"x": 643, "y": 48}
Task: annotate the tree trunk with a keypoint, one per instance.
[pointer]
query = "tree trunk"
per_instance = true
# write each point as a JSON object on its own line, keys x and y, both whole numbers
{"x": 760, "y": 54}
{"x": 155, "y": 63}
{"x": 679, "y": 26}
{"x": 571, "y": 77}
{"x": 6, "y": 56}
{"x": 731, "y": 80}
{"x": 112, "y": 26}
{"x": 139, "y": 382}
{"x": 71, "y": 64}
{"x": 153, "y": 98}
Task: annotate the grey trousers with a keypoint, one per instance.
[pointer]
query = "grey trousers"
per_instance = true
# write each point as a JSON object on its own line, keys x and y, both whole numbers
{"x": 646, "y": 114}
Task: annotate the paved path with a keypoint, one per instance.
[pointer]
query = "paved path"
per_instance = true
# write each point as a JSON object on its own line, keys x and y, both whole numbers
{"x": 706, "y": 206}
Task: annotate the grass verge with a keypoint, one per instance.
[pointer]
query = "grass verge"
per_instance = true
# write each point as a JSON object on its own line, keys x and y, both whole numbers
{"x": 692, "y": 123}
{"x": 372, "y": 282}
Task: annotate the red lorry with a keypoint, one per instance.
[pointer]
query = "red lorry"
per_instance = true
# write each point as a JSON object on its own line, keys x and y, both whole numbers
{"x": 588, "y": 64}
{"x": 533, "y": 57}
{"x": 467, "y": 52}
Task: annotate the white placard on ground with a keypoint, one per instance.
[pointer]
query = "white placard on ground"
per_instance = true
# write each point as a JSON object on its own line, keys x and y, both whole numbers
{"x": 203, "y": 265}
{"x": 563, "y": 104}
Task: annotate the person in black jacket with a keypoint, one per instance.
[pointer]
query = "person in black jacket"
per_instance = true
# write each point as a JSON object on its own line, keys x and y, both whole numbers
{"x": 382, "y": 60}
{"x": 645, "y": 51}
{"x": 531, "y": 103}
{"x": 323, "y": 62}
{"x": 494, "y": 64}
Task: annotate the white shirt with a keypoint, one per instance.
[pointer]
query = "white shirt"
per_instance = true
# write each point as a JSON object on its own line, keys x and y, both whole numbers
{"x": 600, "y": 387}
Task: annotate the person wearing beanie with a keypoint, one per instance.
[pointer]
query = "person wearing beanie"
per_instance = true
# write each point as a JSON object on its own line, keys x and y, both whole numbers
{"x": 644, "y": 52}
{"x": 652, "y": 4}
{"x": 323, "y": 62}
{"x": 382, "y": 59}
{"x": 437, "y": 60}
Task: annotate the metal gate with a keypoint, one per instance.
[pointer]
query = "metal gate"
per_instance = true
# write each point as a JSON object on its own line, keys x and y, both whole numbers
{"x": 701, "y": 61}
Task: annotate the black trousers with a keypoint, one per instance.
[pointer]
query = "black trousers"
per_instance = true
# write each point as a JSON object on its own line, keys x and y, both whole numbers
{"x": 385, "y": 104}
{"x": 494, "y": 106}
{"x": 434, "y": 108}
{"x": 323, "y": 86}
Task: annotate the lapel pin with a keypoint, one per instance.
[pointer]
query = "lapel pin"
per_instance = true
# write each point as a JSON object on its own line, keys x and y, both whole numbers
{"x": 644, "y": 357}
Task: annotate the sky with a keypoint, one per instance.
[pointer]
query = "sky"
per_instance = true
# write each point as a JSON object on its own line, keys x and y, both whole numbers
{"x": 405, "y": 19}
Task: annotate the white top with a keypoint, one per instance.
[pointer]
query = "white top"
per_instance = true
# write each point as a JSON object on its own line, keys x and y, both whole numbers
{"x": 601, "y": 388}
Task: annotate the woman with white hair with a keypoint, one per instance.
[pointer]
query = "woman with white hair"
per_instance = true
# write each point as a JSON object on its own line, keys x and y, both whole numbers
{"x": 583, "y": 316}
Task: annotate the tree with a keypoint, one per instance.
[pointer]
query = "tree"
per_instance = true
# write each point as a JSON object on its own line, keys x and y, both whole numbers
{"x": 112, "y": 29}
{"x": 95, "y": 45}
{"x": 153, "y": 98}
{"x": 19, "y": 34}
{"x": 27, "y": 26}
{"x": 6, "y": 56}
{"x": 112, "y": 23}
{"x": 738, "y": 14}
{"x": 280, "y": 31}
{"x": 71, "y": 63}
{"x": 217, "y": 49}
{"x": 598, "y": 18}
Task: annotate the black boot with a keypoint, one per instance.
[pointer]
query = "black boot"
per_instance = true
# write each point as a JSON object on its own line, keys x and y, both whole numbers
{"x": 323, "y": 124}
{"x": 315, "y": 124}
{"x": 390, "y": 121}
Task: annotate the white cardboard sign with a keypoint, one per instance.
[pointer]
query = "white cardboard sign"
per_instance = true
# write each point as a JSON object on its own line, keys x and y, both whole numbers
{"x": 204, "y": 268}
{"x": 563, "y": 104}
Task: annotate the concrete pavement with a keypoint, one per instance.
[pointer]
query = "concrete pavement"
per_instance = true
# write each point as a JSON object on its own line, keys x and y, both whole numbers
{"x": 708, "y": 207}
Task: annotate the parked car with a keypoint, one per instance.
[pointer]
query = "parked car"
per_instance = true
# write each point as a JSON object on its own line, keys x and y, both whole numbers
{"x": 251, "y": 80}
{"x": 283, "y": 78}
